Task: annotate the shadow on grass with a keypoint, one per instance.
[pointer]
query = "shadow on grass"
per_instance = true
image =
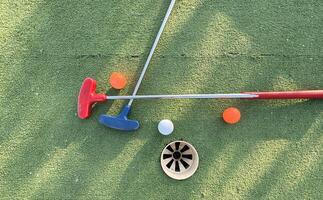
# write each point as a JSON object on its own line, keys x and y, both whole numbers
{"x": 59, "y": 53}
{"x": 248, "y": 141}
{"x": 69, "y": 158}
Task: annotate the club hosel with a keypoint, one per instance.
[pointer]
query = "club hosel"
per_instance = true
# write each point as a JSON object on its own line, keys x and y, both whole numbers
{"x": 100, "y": 97}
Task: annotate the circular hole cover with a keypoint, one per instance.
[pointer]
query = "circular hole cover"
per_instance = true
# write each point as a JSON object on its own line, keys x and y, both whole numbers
{"x": 179, "y": 160}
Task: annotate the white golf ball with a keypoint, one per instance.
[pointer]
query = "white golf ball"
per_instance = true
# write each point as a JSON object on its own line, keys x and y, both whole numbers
{"x": 165, "y": 127}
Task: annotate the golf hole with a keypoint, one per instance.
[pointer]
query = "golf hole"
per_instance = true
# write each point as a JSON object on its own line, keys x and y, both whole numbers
{"x": 179, "y": 160}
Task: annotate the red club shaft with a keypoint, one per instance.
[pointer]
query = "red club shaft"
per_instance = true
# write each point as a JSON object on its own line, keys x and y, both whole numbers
{"x": 304, "y": 94}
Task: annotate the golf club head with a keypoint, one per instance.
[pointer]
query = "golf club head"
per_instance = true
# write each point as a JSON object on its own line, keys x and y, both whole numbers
{"x": 120, "y": 122}
{"x": 87, "y": 98}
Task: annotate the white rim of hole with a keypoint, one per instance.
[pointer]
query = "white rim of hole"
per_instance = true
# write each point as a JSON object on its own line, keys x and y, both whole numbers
{"x": 179, "y": 160}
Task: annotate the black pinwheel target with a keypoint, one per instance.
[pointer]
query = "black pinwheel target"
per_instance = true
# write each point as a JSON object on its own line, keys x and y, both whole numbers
{"x": 179, "y": 160}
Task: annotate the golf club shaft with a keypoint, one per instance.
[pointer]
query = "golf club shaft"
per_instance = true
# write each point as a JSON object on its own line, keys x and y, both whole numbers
{"x": 306, "y": 94}
{"x": 152, "y": 50}
{"x": 186, "y": 96}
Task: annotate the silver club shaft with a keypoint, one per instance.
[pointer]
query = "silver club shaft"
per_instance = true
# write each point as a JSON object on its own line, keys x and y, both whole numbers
{"x": 187, "y": 96}
{"x": 169, "y": 11}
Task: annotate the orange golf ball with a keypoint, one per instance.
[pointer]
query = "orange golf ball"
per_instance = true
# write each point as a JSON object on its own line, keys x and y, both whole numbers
{"x": 231, "y": 115}
{"x": 117, "y": 80}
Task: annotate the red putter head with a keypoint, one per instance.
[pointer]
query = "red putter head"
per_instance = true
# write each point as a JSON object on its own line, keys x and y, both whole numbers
{"x": 88, "y": 97}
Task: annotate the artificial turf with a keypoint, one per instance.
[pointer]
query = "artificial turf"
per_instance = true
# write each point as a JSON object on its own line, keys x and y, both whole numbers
{"x": 48, "y": 47}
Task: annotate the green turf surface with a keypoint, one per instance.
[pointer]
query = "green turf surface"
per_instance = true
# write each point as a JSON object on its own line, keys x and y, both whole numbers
{"x": 48, "y": 47}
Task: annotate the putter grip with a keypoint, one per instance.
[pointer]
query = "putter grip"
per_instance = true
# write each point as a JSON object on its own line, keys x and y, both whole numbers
{"x": 305, "y": 94}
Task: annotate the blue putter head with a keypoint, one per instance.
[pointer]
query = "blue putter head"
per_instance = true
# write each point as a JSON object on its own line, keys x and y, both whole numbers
{"x": 120, "y": 122}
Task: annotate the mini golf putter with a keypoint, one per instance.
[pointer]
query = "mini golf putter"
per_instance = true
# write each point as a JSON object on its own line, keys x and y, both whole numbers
{"x": 88, "y": 97}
